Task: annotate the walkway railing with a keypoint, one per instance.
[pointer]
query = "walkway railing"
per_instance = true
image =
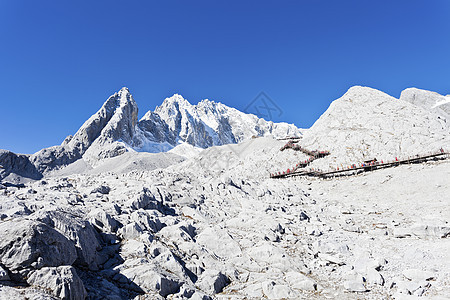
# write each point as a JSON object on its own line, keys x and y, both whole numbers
{"x": 353, "y": 169}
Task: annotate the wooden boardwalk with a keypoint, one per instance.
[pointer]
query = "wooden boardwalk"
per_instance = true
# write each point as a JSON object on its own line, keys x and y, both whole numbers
{"x": 358, "y": 168}
{"x": 290, "y": 138}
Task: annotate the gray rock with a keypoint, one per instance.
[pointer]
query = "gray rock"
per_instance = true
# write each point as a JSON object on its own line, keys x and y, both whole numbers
{"x": 26, "y": 244}
{"x": 304, "y": 216}
{"x": 402, "y": 232}
{"x": 103, "y": 189}
{"x": 102, "y": 220}
{"x": 363, "y": 263}
{"x": 212, "y": 281}
{"x": 147, "y": 220}
{"x": 149, "y": 280}
{"x": 299, "y": 281}
{"x": 62, "y": 282}
{"x": 145, "y": 200}
{"x": 331, "y": 258}
{"x": 277, "y": 291}
{"x": 130, "y": 231}
{"x": 374, "y": 277}
{"x": 3, "y": 274}
{"x": 17, "y": 164}
{"x": 410, "y": 287}
{"x": 79, "y": 231}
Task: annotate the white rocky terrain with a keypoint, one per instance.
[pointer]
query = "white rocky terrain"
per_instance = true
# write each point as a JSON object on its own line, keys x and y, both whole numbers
{"x": 200, "y": 224}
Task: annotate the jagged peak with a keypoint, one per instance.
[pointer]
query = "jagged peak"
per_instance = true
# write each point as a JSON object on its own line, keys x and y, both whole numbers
{"x": 207, "y": 102}
{"x": 176, "y": 98}
{"x": 125, "y": 96}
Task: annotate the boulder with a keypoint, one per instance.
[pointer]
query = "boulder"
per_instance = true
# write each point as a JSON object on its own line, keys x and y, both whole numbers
{"x": 32, "y": 244}
{"x": 418, "y": 275}
{"x": 354, "y": 286}
{"x": 277, "y": 291}
{"x": 212, "y": 281}
{"x": 103, "y": 221}
{"x": 219, "y": 242}
{"x": 146, "y": 278}
{"x": 303, "y": 216}
{"x": 374, "y": 277}
{"x": 3, "y": 274}
{"x": 79, "y": 231}
{"x": 62, "y": 282}
{"x": 427, "y": 231}
{"x": 103, "y": 189}
{"x": 145, "y": 200}
{"x": 130, "y": 231}
{"x": 147, "y": 220}
{"x": 354, "y": 282}
{"x": 299, "y": 281}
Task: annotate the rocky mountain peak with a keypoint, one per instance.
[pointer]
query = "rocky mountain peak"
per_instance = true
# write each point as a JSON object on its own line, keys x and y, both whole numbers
{"x": 428, "y": 100}
{"x": 366, "y": 123}
{"x": 364, "y": 93}
{"x": 114, "y": 129}
{"x": 176, "y": 101}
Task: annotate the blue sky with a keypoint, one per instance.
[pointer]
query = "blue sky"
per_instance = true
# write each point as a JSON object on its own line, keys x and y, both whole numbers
{"x": 60, "y": 60}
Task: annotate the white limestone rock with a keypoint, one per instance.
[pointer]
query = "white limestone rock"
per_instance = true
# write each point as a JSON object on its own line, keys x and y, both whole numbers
{"x": 354, "y": 286}
{"x": 418, "y": 275}
{"x": 63, "y": 282}
{"x": 130, "y": 231}
{"x": 273, "y": 290}
{"x": 147, "y": 279}
{"x": 374, "y": 277}
{"x": 212, "y": 281}
{"x": 102, "y": 220}
{"x": 300, "y": 281}
{"x": 32, "y": 244}
{"x": 78, "y": 230}
{"x": 219, "y": 242}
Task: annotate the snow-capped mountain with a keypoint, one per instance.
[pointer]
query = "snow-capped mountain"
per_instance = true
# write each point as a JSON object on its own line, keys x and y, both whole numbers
{"x": 103, "y": 135}
{"x": 371, "y": 124}
{"x": 114, "y": 129}
{"x": 203, "y": 125}
{"x": 215, "y": 225}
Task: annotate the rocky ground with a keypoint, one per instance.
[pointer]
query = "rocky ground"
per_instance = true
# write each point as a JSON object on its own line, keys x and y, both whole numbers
{"x": 215, "y": 226}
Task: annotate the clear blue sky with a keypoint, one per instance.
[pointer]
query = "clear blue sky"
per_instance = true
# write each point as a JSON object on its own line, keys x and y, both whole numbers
{"x": 60, "y": 60}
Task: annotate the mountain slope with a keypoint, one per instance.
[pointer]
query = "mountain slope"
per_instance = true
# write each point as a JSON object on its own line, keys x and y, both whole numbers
{"x": 429, "y": 100}
{"x": 114, "y": 129}
{"x": 98, "y": 137}
{"x": 366, "y": 123}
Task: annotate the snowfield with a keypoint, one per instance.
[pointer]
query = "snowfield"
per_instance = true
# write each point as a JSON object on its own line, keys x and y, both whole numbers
{"x": 195, "y": 223}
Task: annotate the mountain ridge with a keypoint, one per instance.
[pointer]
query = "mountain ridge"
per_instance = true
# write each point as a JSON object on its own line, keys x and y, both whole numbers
{"x": 115, "y": 129}
{"x": 368, "y": 120}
